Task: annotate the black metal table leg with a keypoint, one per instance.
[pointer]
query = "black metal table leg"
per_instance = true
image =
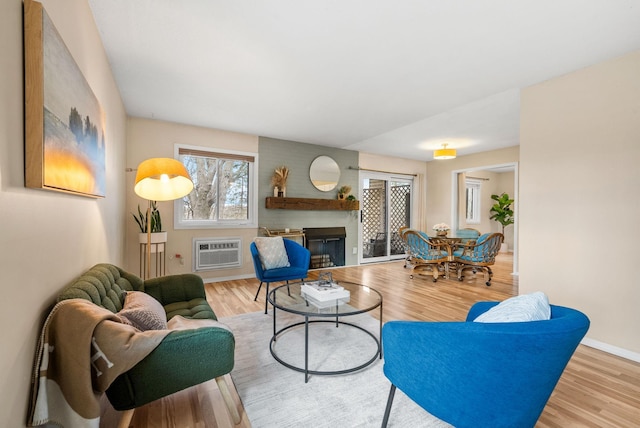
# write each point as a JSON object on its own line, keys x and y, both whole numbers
{"x": 380, "y": 336}
{"x": 274, "y": 316}
{"x": 306, "y": 349}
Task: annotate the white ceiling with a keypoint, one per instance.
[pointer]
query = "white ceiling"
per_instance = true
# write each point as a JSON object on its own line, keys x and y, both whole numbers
{"x": 389, "y": 77}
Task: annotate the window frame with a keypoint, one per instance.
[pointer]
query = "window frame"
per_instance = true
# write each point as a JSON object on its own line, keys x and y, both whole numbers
{"x": 252, "y": 210}
{"x": 476, "y": 186}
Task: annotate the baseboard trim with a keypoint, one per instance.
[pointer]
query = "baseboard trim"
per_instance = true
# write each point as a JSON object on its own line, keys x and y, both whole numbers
{"x": 610, "y": 349}
{"x": 228, "y": 278}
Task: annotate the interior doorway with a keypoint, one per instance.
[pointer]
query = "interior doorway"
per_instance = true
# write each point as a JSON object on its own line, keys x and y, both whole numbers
{"x": 385, "y": 206}
{"x": 458, "y": 199}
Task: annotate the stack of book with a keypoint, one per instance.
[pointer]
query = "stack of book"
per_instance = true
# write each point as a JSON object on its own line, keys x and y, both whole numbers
{"x": 324, "y": 295}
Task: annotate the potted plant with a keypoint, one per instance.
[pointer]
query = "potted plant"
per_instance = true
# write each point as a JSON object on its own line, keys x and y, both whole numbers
{"x": 157, "y": 235}
{"x": 344, "y": 191}
{"x": 502, "y": 212}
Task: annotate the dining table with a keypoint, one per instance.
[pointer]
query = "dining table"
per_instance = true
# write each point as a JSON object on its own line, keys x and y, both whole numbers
{"x": 450, "y": 244}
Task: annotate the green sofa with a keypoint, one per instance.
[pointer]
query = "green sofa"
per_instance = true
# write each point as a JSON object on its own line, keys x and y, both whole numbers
{"x": 184, "y": 358}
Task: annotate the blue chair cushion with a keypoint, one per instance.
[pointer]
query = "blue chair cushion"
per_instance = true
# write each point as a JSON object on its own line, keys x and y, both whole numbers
{"x": 472, "y": 258}
{"x": 462, "y": 233}
{"x": 482, "y": 238}
{"x": 422, "y": 250}
{"x": 433, "y": 254}
{"x": 283, "y": 274}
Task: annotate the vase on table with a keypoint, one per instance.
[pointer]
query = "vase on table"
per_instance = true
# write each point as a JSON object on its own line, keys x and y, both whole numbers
{"x": 442, "y": 233}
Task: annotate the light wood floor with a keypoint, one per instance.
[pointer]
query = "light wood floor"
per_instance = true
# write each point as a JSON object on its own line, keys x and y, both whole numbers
{"x": 596, "y": 389}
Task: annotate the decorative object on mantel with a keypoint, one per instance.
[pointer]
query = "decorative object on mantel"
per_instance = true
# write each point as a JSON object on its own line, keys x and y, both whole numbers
{"x": 344, "y": 191}
{"x": 441, "y": 229}
{"x": 279, "y": 181}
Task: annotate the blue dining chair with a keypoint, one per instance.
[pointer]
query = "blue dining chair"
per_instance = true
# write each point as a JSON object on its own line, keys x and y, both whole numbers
{"x": 299, "y": 258}
{"x": 478, "y": 255}
{"x": 425, "y": 254}
{"x": 475, "y": 374}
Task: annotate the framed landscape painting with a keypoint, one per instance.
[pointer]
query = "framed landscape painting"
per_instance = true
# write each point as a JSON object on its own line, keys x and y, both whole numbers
{"x": 64, "y": 123}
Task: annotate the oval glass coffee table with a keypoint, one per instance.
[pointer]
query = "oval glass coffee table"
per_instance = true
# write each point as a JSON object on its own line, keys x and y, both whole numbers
{"x": 289, "y": 298}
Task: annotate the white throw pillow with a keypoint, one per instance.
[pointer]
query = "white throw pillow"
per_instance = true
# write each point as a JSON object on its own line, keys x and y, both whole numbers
{"x": 272, "y": 252}
{"x": 528, "y": 307}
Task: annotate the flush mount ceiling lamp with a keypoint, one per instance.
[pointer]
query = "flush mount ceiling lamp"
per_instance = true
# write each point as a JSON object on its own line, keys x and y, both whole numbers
{"x": 444, "y": 153}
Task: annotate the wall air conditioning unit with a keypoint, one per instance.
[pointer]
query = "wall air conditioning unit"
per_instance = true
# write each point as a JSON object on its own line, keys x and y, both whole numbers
{"x": 216, "y": 253}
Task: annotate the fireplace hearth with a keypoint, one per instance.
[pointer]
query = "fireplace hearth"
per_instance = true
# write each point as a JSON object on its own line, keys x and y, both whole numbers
{"x": 326, "y": 245}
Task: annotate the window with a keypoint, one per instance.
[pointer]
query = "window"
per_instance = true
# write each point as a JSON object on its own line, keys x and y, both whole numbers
{"x": 224, "y": 189}
{"x": 473, "y": 200}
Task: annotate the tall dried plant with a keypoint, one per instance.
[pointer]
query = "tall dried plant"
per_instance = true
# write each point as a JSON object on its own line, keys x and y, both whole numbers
{"x": 280, "y": 176}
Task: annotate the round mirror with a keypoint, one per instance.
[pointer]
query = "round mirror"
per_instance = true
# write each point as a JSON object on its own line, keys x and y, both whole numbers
{"x": 324, "y": 173}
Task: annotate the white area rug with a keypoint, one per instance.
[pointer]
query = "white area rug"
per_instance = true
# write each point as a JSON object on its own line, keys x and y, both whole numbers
{"x": 276, "y": 396}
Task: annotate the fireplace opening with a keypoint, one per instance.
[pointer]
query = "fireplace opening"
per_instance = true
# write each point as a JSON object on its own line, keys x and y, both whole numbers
{"x": 326, "y": 245}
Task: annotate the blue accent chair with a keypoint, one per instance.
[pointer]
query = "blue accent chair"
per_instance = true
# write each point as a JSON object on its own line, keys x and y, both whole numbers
{"x": 478, "y": 255}
{"x": 425, "y": 254}
{"x": 481, "y": 374}
{"x": 299, "y": 258}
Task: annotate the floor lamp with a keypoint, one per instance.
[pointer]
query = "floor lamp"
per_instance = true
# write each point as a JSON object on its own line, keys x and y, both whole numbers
{"x": 160, "y": 179}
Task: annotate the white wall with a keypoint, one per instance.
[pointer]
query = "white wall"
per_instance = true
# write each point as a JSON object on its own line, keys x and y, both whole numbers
{"x": 579, "y": 206}
{"x": 439, "y": 184}
{"x": 48, "y": 238}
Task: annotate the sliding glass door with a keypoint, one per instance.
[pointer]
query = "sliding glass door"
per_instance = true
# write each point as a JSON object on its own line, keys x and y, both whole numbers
{"x": 385, "y": 204}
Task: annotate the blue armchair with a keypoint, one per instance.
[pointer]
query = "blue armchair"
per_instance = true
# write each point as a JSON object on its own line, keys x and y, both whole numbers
{"x": 299, "y": 258}
{"x": 473, "y": 374}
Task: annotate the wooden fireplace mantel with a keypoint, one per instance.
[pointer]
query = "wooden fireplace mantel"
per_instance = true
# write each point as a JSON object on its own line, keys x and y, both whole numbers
{"x": 311, "y": 204}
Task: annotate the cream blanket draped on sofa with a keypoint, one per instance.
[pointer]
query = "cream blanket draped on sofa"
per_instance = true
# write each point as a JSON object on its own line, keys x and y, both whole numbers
{"x": 81, "y": 350}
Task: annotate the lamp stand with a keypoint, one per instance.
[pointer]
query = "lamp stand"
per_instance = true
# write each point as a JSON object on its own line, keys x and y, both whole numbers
{"x": 148, "y": 273}
{"x": 160, "y": 179}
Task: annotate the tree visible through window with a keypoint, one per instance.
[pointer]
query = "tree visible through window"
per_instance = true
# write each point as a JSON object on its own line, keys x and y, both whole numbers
{"x": 222, "y": 188}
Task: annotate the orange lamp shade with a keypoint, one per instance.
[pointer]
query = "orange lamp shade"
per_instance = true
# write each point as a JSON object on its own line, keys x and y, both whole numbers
{"x": 162, "y": 179}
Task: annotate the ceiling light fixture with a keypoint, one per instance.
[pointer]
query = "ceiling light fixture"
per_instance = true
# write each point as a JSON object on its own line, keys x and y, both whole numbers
{"x": 444, "y": 153}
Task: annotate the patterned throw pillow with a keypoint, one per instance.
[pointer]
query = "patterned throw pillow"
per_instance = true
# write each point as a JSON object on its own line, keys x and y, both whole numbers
{"x": 143, "y": 312}
{"x": 272, "y": 252}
